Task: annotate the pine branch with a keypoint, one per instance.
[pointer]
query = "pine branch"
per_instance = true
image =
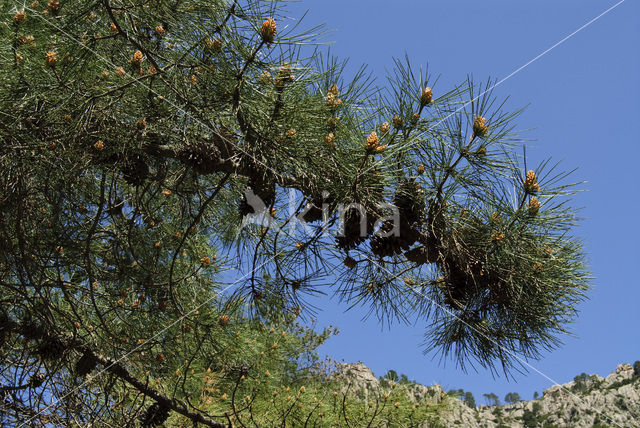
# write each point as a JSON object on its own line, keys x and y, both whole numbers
{"x": 111, "y": 366}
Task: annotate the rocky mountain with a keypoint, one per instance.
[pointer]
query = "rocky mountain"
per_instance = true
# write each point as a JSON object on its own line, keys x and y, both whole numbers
{"x": 588, "y": 401}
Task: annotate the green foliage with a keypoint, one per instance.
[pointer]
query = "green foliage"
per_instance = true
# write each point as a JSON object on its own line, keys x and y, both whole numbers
{"x": 621, "y": 404}
{"x": 392, "y": 375}
{"x": 581, "y": 378}
{"x": 512, "y": 397}
{"x": 580, "y": 382}
{"x": 529, "y": 419}
{"x": 491, "y": 399}
{"x": 636, "y": 368}
{"x": 620, "y": 383}
{"x": 469, "y": 399}
{"x": 574, "y": 415}
{"x": 536, "y": 395}
{"x": 457, "y": 393}
{"x": 132, "y": 285}
{"x": 532, "y": 418}
{"x": 597, "y": 423}
{"x": 327, "y": 404}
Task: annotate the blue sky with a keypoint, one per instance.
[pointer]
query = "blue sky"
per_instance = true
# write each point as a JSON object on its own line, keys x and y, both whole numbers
{"x": 583, "y": 109}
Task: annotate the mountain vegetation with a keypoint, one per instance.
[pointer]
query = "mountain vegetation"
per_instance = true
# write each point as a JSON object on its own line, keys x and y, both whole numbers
{"x": 178, "y": 177}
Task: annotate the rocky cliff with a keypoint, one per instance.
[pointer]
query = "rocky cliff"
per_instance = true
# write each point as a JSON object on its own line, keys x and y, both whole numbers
{"x": 589, "y": 401}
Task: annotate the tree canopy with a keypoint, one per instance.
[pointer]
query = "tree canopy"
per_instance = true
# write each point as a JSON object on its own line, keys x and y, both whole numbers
{"x": 512, "y": 397}
{"x": 177, "y": 176}
{"x": 491, "y": 399}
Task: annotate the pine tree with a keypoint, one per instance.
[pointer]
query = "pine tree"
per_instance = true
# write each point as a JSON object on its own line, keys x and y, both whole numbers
{"x": 512, "y": 397}
{"x": 469, "y": 399}
{"x": 491, "y": 399}
{"x": 135, "y": 140}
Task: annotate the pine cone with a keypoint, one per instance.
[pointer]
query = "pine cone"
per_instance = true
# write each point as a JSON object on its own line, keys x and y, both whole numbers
{"x": 530, "y": 183}
{"x": 314, "y": 212}
{"x": 85, "y": 364}
{"x": 155, "y": 415}
{"x": 268, "y": 30}
{"x": 30, "y": 330}
{"x": 4, "y": 327}
{"x": 353, "y": 233}
{"x": 51, "y": 348}
{"x": 244, "y": 208}
{"x": 135, "y": 169}
{"x": 350, "y": 262}
{"x": 480, "y": 127}
{"x": 419, "y": 255}
{"x": 409, "y": 199}
{"x": 36, "y": 380}
{"x": 534, "y": 206}
{"x": 202, "y": 157}
{"x": 426, "y": 96}
{"x": 397, "y": 122}
{"x": 386, "y": 246}
{"x": 314, "y": 207}
{"x": 264, "y": 192}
